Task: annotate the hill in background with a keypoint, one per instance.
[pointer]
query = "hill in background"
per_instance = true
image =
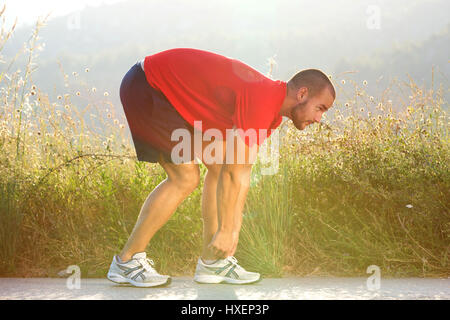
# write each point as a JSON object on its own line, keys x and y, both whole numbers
{"x": 333, "y": 36}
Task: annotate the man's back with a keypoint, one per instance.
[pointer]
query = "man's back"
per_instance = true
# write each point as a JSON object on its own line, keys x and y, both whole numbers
{"x": 217, "y": 90}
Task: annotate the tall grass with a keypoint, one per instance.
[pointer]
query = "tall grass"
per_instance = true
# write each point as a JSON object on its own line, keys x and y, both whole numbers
{"x": 367, "y": 186}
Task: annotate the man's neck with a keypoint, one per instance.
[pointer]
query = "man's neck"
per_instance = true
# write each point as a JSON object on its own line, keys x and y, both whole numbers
{"x": 287, "y": 105}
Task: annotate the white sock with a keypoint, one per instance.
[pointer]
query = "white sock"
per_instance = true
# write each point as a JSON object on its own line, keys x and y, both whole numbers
{"x": 208, "y": 261}
{"x": 120, "y": 261}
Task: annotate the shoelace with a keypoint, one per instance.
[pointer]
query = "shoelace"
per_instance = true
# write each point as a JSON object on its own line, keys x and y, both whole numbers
{"x": 234, "y": 261}
{"x": 147, "y": 264}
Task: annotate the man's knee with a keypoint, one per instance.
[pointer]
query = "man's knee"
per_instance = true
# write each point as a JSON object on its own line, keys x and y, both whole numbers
{"x": 186, "y": 178}
{"x": 214, "y": 170}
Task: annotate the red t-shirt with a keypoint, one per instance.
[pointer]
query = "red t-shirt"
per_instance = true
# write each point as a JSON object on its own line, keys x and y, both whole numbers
{"x": 219, "y": 91}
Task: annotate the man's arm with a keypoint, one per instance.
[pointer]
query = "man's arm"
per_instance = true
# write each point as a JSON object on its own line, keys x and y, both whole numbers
{"x": 240, "y": 203}
{"x": 232, "y": 187}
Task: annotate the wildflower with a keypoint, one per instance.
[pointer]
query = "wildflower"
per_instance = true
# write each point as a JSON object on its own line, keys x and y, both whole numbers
{"x": 94, "y": 89}
{"x": 33, "y": 92}
{"x": 74, "y": 74}
{"x": 365, "y": 82}
{"x": 116, "y": 122}
{"x": 362, "y": 109}
{"x": 343, "y": 81}
{"x": 59, "y": 97}
{"x": 109, "y": 115}
{"x": 329, "y": 76}
{"x": 106, "y": 94}
{"x": 371, "y": 98}
{"x": 33, "y": 87}
{"x": 67, "y": 107}
{"x": 78, "y": 93}
{"x": 347, "y": 104}
{"x": 86, "y": 70}
{"x": 121, "y": 126}
{"x": 38, "y": 133}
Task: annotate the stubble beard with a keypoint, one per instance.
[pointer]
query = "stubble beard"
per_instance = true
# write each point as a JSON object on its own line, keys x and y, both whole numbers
{"x": 298, "y": 123}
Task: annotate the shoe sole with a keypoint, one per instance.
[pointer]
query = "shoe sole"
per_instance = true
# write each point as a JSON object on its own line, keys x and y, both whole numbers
{"x": 122, "y": 280}
{"x": 213, "y": 279}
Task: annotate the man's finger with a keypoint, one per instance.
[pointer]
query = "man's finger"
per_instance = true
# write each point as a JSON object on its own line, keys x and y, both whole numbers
{"x": 220, "y": 253}
{"x": 212, "y": 249}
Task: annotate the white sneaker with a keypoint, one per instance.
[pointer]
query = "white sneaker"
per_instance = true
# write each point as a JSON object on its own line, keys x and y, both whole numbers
{"x": 138, "y": 272}
{"x": 224, "y": 270}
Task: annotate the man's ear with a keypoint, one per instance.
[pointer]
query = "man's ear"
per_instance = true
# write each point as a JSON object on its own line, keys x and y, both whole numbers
{"x": 302, "y": 94}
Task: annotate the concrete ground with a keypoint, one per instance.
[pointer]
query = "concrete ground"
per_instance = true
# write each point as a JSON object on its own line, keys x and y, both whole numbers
{"x": 293, "y": 288}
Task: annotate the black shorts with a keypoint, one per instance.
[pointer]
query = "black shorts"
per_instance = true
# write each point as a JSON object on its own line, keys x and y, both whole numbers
{"x": 150, "y": 116}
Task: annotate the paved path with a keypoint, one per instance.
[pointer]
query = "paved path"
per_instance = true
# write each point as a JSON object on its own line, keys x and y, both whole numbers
{"x": 185, "y": 288}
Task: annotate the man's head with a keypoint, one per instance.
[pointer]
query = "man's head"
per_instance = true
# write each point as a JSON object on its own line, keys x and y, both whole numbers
{"x": 309, "y": 94}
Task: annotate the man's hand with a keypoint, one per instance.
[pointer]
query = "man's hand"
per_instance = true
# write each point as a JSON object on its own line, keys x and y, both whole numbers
{"x": 222, "y": 244}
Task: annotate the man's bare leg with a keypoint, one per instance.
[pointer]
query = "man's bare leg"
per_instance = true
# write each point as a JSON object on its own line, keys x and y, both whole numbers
{"x": 162, "y": 202}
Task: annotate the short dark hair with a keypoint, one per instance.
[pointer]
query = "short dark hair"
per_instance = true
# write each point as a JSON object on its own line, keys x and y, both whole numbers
{"x": 314, "y": 79}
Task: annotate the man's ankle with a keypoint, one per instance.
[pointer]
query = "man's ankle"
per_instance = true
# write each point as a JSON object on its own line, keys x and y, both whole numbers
{"x": 208, "y": 256}
{"x": 122, "y": 259}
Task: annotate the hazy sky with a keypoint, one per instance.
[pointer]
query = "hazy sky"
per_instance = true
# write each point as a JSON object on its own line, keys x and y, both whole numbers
{"x": 27, "y": 11}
